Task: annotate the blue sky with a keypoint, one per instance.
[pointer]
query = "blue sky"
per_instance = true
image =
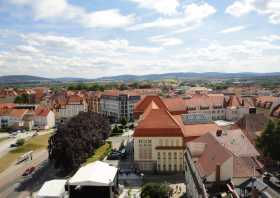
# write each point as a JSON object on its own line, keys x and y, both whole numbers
{"x": 94, "y": 38}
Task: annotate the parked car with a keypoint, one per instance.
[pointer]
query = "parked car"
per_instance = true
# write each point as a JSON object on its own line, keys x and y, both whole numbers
{"x": 35, "y": 134}
{"x": 13, "y": 145}
{"x": 114, "y": 156}
{"x": 28, "y": 171}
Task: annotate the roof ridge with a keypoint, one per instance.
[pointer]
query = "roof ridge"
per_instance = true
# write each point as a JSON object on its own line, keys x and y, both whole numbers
{"x": 173, "y": 119}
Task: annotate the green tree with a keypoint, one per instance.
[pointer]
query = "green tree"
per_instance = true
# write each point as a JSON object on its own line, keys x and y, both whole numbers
{"x": 77, "y": 140}
{"x": 156, "y": 190}
{"x": 20, "y": 142}
{"x": 269, "y": 141}
{"x": 123, "y": 122}
{"x": 22, "y": 99}
{"x": 275, "y": 153}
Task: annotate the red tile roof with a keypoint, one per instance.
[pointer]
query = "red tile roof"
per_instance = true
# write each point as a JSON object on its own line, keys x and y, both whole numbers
{"x": 158, "y": 123}
{"x": 175, "y": 105}
{"x": 19, "y": 113}
{"x": 41, "y": 111}
{"x": 7, "y": 105}
{"x": 244, "y": 167}
{"x": 237, "y": 143}
{"x": 205, "y": 100}
{"x": 235, "y": 101}
{"x": 192, "y": 131}
{"x": 264, "y": 99}
{"x": 75, "y": 99}
{"x": 218, "y": 149}
{"x": 212, "y": 155}
{"x": 141, "y": 106}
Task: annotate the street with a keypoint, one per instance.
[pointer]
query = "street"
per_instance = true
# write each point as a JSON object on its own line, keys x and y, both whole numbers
{"x": 5, "y": 145}
{"x": 11, "y": 178}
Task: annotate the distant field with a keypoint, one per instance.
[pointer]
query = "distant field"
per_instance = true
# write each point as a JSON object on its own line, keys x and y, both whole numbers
{"x": 35, "y": 143}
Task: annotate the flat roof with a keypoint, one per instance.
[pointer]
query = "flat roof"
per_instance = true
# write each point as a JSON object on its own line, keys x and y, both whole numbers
{"x": 52, "y": 188}
{"x": 94, "y": 174}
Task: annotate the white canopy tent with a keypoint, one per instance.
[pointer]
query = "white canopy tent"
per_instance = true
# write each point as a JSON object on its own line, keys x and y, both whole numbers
{"x": 94, "y": 174}
{"x": 52, "y": 189}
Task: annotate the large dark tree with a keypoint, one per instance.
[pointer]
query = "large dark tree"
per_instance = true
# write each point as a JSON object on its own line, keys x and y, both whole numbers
{"x": 269, "y": 141}
{"x": 77, "y": 140}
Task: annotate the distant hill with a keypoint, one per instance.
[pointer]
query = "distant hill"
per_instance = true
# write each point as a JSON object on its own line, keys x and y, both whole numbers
{"x": 13, "y": 79}
{"x": 182, "y": 75}
{"x": 17, "y": 79}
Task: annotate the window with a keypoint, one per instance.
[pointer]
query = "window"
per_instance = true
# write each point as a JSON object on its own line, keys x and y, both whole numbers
{"x": 175, "y": 167}
{"x": 158, "y": 167}
{"x": 164, "y": 167}
{"x": 166, "y": 142}
{"x": 175, "y": 155}
{"x": 169, "y": 155}
{"x": 177, "y": 143}
{"x": 169, "y": 167}
{"x": 171, "y": 143}
{"x": 164, "y": 155}
{"x": 160, "y": 142}
{"x": 158, "y": 155}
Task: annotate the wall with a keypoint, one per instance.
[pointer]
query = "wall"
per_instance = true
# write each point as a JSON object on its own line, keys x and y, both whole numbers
{"x": 169, "y": 157}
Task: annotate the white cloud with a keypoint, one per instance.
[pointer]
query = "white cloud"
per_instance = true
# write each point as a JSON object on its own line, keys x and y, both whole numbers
{"x": 271, "y": 38}
{"x": 169, "y": 41}
{"x": 56, "y": 10}
{"x": 194, "y": 14}
{"x": 83, "y": 46}
{"x": 27, "y": 49}
{"x": 233, "y": 29}
{"x": 239, "y": 8}
{"x": 165, "y": 7}
{"x": 271, "y": 8}
{"x": 107, "y": 18}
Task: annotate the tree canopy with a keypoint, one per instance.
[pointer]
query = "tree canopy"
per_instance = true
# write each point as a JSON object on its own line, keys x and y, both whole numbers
{"x": 23, "y": 99}
{"x": 156, "y": 190}
{"x": 77, "y": 140}
{"x": 269, "y": 141}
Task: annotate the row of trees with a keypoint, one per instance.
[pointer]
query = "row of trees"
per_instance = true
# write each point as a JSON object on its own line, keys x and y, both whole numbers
{"x": 77, "y": 140}
{"x": 24, "y": 99}
{"x": 102, "y": 87}
{"x": 269, "y": 141}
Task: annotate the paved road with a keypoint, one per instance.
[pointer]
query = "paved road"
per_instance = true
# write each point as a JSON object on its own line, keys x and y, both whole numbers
{"x": 11, "y": 178}
{"x": 5, "y": 145}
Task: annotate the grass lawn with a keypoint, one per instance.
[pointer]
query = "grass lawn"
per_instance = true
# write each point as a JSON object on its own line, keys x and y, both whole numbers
{"x": 35, "y": 143}
{"x": 3, "y": 139}
{"x": 100, "y": 153}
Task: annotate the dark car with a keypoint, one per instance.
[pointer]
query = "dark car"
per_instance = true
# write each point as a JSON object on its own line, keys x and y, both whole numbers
{"x": 13, "y": 145}
{"x": 114, "y": 156}
{"x": 28, "y": 171}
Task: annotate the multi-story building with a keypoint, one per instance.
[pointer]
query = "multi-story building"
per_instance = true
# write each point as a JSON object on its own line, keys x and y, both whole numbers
{"x": 211, "y": 105}
{"x": 219, "y": 107}
{"x": 12, "y": 117}
{"x": 228, "y": 155}
{"x": 66, "y": 107}
{"x": 265, "y": 101}
{"x": 93, "y": 100}
{"x": 160, "y": 136}
{"x": 117, "y": 105}
{"x": 44, "y": 118}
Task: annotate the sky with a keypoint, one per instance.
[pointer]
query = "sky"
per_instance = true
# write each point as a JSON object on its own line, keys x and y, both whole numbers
{"x": 95, "y": 38}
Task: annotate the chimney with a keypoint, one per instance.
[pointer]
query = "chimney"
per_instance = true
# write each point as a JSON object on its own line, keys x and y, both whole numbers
{"x": 218, "y": 173}
{"x": 219, "y": 132}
